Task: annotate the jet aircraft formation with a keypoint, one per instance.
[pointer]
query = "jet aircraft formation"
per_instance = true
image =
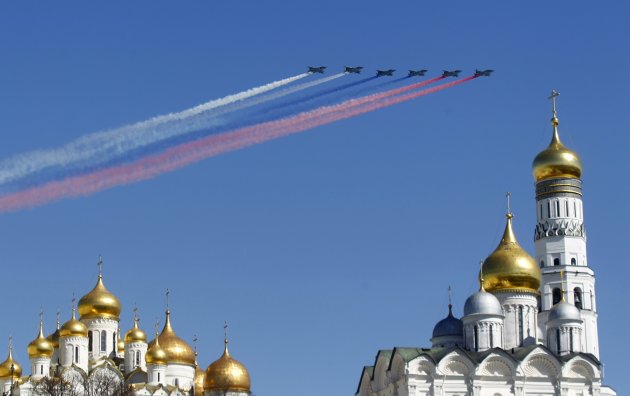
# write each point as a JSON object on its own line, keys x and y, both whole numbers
{"x": 390, "y": 72}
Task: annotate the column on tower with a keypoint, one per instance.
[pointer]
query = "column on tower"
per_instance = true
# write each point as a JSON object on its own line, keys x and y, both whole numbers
{"x": 560, "y": 236}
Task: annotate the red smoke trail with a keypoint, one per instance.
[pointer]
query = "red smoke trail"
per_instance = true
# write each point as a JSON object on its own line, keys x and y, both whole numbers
{"x": 185, "y": 154}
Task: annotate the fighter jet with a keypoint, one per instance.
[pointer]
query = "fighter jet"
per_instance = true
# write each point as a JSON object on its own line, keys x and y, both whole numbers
{"x": 418, "y": 73}
{"x": 388, "y": 72}
{"x": 483, "y": 73}
{"x": 355, "y": 70}
{"x": 451, "y": 73}
{"x": 318, "y": 69}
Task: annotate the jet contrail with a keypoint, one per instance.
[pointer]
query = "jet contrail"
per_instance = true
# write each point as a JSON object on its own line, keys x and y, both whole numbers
{"x": 185, "y": 154}
{"x": 101, "y": 147}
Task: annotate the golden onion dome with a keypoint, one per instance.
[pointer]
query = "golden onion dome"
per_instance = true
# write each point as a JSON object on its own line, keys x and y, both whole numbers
{"x": 156, "y": 354}
{"x": 556, "y": 161}
{"x": 10, "y": 368}
{"x": 40, "y": 346}
{"x": 177, "y": 350}
{"x": 99, "y": 303}
{"x": 120, "y": 344}
{"x": 54, "y": 337}
{"x": 510, "y": 267}
{"x": 73, "y": 328}
{"x": 226, "y": 374}
{"x": 135, "y": 334}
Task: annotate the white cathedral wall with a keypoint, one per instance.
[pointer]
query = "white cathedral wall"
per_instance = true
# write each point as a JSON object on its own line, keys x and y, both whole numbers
{"x": 97, "y": 326}
{"x": 40, "y": 367}
{"x": 512, "y": 304}
{"x": 181, "y": 375}
{"x": 130, "y": 356}
{"x": 67, "y": 351}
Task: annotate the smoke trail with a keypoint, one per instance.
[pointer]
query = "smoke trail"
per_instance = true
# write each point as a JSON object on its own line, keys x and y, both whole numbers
{"x": 100, "y": 147}
{"x": 191, "y": 152}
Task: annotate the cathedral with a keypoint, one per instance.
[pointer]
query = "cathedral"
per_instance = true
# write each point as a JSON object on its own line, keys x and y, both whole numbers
{"x": 87, "y": 356}
{"x": 531, "y": 329}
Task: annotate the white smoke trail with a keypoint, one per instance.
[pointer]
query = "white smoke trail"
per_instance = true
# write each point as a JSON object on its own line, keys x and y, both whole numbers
{"x": 102, "y": 146}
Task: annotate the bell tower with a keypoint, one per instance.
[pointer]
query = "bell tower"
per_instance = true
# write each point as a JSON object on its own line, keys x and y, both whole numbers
{"x": 560, "y": 236}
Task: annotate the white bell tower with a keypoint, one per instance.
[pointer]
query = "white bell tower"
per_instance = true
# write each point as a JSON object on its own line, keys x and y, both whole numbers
{"x": 560, "y": 237}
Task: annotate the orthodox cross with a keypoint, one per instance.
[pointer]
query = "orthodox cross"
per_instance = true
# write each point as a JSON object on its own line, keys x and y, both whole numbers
{"x": 481, "y": 274}
{"x": 168, "y": 292}
{"x": 195, "y": 339}
{"x": 225, "y": 330}
{"x": 135, "y": 313}
{"x": 554, "y": 95}
{"x": 100, "y": 265}
{"x": 41, "y": 315}
{"x": 507, "y": 196}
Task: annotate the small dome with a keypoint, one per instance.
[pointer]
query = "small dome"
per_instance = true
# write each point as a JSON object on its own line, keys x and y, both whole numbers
{"x": 120, "y": 345}
{"x": 564, "y": 311}
{"x": 226, "y": 374}
{"x": 556, "y": 161}
{"x": 156, "y": 354}
{"x": 10, "y": 367}
{"x": 73, "y": 328}
{"x": 54, "y": 337}
{"x": 510, "y": 267}
{"x": 177, "y": 350}
{"x": 99, "y": 303}
{"x": 135, "y": 334}
{"x": 449, "y": 326}
{"x": 483, "y": 303}
{"x": 40, "y": 346}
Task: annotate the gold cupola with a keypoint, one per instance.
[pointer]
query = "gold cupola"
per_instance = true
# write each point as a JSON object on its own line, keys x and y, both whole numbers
{"x": 200, "y": 375}
{"x": 120, "y": 344}
{"x": 510, "y": 267}
{"x": 40, "y": 346}
{"x": 10, "y": 368}
{"x": 99, "y": 302}
{"x": 156, "y": 354}
{"x": 177, "y": 350}
{"x": 556, "y": 161}
{"x": 73, "y": 327}
{"x": 226, "y": 374}
{"x": 135, "y": 334}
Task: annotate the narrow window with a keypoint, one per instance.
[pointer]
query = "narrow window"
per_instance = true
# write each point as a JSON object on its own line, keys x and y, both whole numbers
{"x": 158, "y": 377}
{"x": 41, "y": 369}
{"x": 542, "y": 263}
{"x": 491, "y": 337}
{"x": 137, "y": 358}
{"x": 520, "y": 325}
{"x": 571, "y": 340}
{"x": 574, "y": 209}
{"x": 76, "y": 354}
{"x": 556, "y": 261}
{"x": 577, "y": 293}
{"x": 557, "y": 208}
{"x": 476, "y": 338}
{"x": 548, "y": 209}
{"x": 573, "y": 261}
{"x": 558, "y": 340}
{"x": 557, "y": 296}
{"x": 539, "y": 303}
{"x": 541, "y": 215}
{"x": 103, "y": 341}
{"x": 90, "y": 335}
{"x": 114, "y": 342}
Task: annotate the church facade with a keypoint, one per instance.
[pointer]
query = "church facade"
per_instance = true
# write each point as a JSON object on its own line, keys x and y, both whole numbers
{"x": 531, "y": 329}
{"x": 88, "y": 356}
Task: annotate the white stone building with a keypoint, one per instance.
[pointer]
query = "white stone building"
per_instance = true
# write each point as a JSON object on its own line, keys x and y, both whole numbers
{"x": 532, "y": 327}
{"x": 88, "y": 352}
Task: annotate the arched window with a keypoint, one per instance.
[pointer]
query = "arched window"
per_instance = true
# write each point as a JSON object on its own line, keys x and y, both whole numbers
{"x": 548, "y": 209}
{"x": 573, "y": 261}
{"x": 491, "y": 336}
{"x": 158, "y": 377}
{"x": 542, "y": 263}
{"x": 90, "y": 335}
{"x": 103, "y": 341}
{"x": 557, "y": 296}
{"x": 571, "y": 340}
{"x": 541, "y": 214}
{"x": 520, "y": 325}
{"x": 41, "y": 369}
{"x": 137, "y": 358}
{"x": 539, "y": 303}
{"x": 76, "y": 354}
{"x": 114, "y": 341}
{"x": 566, "y": 204}
{"x": 577, "y": 296}
{"x": 557, "y": 208}
{"x": 556, "y": 261}
{"x": 476, "y": 338}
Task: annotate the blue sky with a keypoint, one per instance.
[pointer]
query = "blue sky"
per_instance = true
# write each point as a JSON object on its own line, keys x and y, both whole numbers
{"x": 322, "y": 247}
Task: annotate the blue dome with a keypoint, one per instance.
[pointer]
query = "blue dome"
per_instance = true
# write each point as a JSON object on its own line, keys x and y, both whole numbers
{"x": 449, "y": 326}
{"x": 483, "y": 303}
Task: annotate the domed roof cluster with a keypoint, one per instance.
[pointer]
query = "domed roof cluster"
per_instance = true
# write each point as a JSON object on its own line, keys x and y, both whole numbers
{"x": 99, "y": 303}
{"x": 556, "y": 161}
{"x": 510, "y": 267}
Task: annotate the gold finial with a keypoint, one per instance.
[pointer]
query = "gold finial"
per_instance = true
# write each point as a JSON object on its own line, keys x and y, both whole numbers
{"x": 481, "y": 288}
{"x": 509, "y": 211}
{"x": 554, "y": 119}
{"x": 100, "y": 266}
